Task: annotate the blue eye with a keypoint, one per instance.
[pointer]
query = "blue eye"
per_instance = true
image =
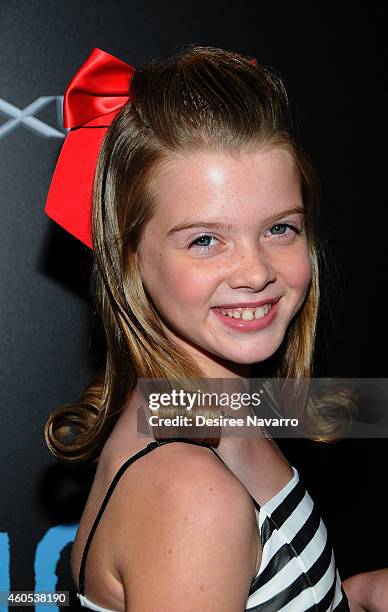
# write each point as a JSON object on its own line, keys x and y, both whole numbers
{"x": 285, "y": 225}
{"x": 205, "y": 237}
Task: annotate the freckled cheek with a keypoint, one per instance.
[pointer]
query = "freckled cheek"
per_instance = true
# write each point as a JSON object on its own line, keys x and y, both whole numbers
{"x": 297, "y": 270}
{"x": 300, "y": 276}
{"x": 185, "y": 284}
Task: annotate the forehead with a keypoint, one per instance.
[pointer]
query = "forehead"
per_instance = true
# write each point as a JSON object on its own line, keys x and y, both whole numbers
{"x": 212, "y": 181}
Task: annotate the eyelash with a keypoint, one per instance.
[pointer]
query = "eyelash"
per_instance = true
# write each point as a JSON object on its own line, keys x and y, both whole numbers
{"x": 207, "y": 248}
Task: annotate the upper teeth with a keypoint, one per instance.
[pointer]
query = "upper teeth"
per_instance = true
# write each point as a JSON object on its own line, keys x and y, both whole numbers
{"x": 247, "y": 314}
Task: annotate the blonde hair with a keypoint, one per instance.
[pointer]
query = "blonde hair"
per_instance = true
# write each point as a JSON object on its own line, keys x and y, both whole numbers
{"x": 203, "y": 98}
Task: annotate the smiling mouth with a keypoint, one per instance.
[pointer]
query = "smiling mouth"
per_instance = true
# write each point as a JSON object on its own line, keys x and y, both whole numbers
{"x": 246, "y": 314}
{"x": 248, "y": 319}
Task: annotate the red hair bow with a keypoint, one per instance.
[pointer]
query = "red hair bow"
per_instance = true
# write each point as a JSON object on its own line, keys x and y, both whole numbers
{"x": 92, "y": 99}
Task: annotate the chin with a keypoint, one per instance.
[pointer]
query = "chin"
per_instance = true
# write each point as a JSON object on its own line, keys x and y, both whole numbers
{"x": 251, "y": 360}
{"x": 247, "y": 357}
{"x": 251, "y": 355}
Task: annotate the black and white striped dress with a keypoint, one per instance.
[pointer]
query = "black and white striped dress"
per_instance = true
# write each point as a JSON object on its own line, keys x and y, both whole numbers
{"x": 297, "y": 572}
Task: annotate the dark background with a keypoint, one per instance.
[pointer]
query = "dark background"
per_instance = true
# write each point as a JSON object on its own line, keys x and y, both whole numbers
{"x": 332, "y": 58}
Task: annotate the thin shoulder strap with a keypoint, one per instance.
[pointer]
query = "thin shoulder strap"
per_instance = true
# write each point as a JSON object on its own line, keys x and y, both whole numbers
{"x": 120, "y": 472}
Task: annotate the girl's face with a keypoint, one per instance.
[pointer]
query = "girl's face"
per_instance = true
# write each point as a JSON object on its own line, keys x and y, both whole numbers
{"x": 227, "y": 238}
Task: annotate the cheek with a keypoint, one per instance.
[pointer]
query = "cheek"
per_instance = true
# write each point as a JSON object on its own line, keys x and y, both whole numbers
{"x": 301, "y": 276}
{"x": 297, "y": 269}
{"x": 174, "y": 283}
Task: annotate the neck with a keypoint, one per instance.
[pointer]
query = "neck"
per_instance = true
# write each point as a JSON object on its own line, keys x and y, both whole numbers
{"x": 222, "y": 368}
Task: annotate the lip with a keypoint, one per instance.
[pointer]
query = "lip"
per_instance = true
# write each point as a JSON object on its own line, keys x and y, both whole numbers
{"x": 249, "y": 304}
{"x": 248, "y": 326}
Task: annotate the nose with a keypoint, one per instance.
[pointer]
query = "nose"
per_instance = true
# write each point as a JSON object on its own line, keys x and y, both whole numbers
{"x": 251, "y": 268}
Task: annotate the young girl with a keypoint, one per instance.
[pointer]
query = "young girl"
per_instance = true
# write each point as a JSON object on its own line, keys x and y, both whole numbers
{"x": 203, "y": 230}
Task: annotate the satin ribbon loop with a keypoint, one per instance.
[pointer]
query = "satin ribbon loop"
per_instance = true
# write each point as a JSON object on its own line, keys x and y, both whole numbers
{"x": 100, "y": 86}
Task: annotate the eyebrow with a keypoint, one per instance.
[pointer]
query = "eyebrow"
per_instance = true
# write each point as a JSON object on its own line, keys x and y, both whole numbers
{"x": 215, "y": 225}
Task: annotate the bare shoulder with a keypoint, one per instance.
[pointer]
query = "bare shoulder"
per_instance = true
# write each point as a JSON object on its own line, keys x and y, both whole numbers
{"x": 189, "y": 543}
